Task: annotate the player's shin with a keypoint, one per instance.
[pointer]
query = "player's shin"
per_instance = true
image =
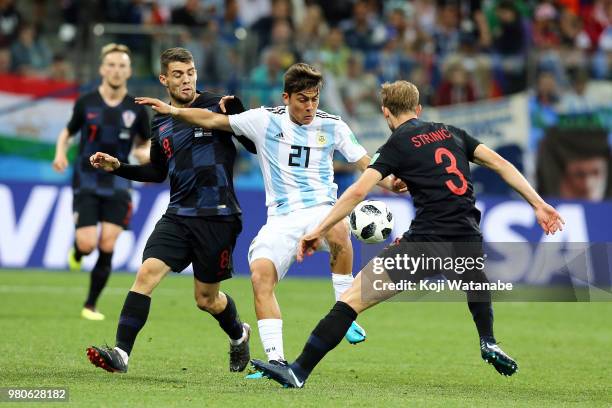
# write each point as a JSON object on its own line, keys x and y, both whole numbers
{"x": 271, "y": 334}
{"x": 78, "y": 255}
{"x": 341, "y": 283}
{"x": 341, "y": 264}
{"x": 229, "y": 321}
{"x": 325, "y": 337}
{"x": 355, "y": 334}
{"x": 133, "y": 317}
{"x": 99, "y": 277}
{"x": 481, "y": 308}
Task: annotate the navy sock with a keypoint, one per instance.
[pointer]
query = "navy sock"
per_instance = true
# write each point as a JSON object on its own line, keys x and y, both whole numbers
{"x": 482, "y": 313}
{"x": 77, "y": 252}
{"x": 98, "y": 278}
{"x": 229, "y": 321}
{"x": 133, "y": 317}
{"x": 325, "y": 337}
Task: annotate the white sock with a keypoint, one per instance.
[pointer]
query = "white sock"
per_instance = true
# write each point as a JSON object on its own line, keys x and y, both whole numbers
{"x": 123, "y": 355}
{"x": 341, "y": 283}
{"x": 271, "y": 334}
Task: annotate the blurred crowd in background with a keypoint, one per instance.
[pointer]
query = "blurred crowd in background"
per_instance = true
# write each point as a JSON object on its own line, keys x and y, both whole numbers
{"x": 454, "y": 51}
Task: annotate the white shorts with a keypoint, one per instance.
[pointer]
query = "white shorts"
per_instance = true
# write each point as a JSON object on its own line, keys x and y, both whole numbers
{"x": 278, "y": 239}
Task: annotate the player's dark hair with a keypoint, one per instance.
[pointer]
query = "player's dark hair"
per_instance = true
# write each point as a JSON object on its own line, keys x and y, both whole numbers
{"x": 114, "y": 47}
{"x": 399, "y": 97}
{"x": 176, "y": 54}
{"x": 300, "y": 77}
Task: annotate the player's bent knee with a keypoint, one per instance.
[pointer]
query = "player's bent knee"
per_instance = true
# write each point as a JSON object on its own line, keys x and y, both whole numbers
{"x": 263, "y": 275}
{"x": 147, "y": 279}
{"x": 263, "y": 281}
{"x": 339, "y": 240}
{"x": 107, "y": 245}
{"x": 86, "y": 239}
{"x": 86, "y": 246}
{"x": 339, "y": 234}
{"x": 206, "y": 302}
{"x": 108, "y": 237}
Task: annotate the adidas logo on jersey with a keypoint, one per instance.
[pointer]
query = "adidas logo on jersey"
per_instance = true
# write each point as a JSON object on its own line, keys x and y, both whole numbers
{"x": 280, "y": 136}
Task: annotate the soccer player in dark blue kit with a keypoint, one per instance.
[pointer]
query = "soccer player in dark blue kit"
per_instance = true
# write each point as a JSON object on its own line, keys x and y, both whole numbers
{"x": 433, "y": 160}
{"x": 201, "y": 223}
{"x": 109, "y": 121}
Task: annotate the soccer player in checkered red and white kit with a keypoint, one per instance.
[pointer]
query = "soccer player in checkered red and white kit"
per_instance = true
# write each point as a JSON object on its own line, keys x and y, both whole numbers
{"x": 201, "y": 223}
{"x": 433, "y": 160}
{"x": 108, "y": 121}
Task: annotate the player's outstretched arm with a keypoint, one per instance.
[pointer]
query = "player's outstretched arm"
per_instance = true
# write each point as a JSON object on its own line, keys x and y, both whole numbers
{"x": 548, "y": 218}
{"x": 195, "y": 116}
{"x": 154, "y": 171}
{"x": 343, "y": 207}
{"x": 60, "y": 162}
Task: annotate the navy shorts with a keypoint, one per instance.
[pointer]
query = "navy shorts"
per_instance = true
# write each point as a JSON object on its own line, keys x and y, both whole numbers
{"x": 90, "y": 208}
{"x": 206, "y": 242}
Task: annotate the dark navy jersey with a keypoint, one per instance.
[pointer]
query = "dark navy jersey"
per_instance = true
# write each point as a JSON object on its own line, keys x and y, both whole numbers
{"x": 433, "y": 160}
{"x": 199, "y": 162}
{"x": 105, "y": 129}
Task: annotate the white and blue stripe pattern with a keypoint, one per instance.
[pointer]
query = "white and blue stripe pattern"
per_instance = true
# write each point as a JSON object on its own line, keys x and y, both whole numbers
{"x": 296, "y": 160}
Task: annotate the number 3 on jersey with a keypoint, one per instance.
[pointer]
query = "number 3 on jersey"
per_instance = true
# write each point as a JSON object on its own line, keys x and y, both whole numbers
{"x": 452, "y": 169}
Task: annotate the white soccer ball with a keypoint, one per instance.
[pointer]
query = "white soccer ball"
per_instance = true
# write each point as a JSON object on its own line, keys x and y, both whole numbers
{"x": 371, "y": 221}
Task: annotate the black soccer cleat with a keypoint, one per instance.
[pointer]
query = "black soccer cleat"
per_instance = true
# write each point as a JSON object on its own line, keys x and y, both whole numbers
{"x": 279, "y": 372}
{"x": 107, "y": 358}
{"x": 240, "y": 354}
{"x": 256, "y": 375}
{"x": 492, "y": 354}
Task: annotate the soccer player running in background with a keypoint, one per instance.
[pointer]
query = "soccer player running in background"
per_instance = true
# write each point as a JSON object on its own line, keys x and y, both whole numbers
{"x": 433, "y": 159}
{"x": 295, "y": 145}
{"x": 109, "y": 121}
{"x": 201, "y": 223}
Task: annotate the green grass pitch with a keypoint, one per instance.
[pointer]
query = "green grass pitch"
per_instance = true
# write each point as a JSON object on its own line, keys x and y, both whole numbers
{"x": 417, "y": 354}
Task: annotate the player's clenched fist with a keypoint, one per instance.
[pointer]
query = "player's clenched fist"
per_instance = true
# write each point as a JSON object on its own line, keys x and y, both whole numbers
{"x": 60, "y": 163}
{"x": 104, "y": 161}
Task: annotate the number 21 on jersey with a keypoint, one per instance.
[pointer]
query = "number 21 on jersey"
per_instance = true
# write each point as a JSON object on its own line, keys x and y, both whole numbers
{"x": 295, "y": 157}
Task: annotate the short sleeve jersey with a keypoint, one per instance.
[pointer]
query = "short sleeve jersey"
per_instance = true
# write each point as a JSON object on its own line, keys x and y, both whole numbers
{"x": 433, "y": 160}
{"x": 105, "y": 129}
{"x": 297, "y": 160}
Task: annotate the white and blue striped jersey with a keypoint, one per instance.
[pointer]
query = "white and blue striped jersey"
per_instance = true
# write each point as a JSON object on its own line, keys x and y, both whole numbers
{"x": 296, "y": 160}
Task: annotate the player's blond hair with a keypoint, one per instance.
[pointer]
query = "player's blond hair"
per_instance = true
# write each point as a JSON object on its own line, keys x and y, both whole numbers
{"x": 399, "y": 97}
{"x": 114, "y": 47}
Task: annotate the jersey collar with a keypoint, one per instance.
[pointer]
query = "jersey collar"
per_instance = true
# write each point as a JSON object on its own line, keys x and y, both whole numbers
{"x": 414, "y": 122}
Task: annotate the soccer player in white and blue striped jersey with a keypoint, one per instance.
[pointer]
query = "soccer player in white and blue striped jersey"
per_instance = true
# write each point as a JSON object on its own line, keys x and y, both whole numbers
{"x": 295, "y": 145}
